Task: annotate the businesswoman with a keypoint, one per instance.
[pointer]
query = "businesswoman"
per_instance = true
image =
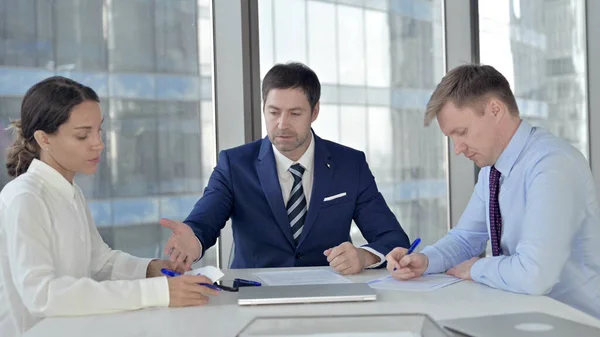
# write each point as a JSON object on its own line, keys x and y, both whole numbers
{"x": 53, "y": 261}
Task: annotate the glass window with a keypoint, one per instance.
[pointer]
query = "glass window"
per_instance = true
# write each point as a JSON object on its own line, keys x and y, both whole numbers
{"x": 79, "y": 35}
{"x": 544, "y": 62}
{"x": 265, "y": 24}
{"x": 176, "y": 41}
{"x": 378, "y": 61}
{"x": 134, "y": 125}
{"x": 134, "y": 51}
{"x": 327, "y": 124}
{"x": 377, "y": 49}
{"x": 322, "y": 53}
{"x": 351, "y": 44}
{"x": 26, "y": 35}
{"x": 353, "y": 126}
{"x": 180, "y": 147}
{"x": 150, "y": 62}
{"x": 380, "y": 142}
{"x": 289, "y": 29}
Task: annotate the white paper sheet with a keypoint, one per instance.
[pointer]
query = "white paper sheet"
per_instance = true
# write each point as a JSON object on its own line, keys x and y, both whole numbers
{"x": 297, "y": 277}
{"x": 357, "y": 334}
{"x": 211, "y": 272}
{"x": 423, "y": 283}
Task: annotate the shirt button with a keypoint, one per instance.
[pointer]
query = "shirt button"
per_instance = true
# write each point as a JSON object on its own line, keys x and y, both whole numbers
{"x": 298, "y": 256}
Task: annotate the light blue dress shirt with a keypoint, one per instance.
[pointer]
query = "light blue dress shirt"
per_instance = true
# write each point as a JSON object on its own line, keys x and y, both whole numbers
{"x": 550, "y": 224}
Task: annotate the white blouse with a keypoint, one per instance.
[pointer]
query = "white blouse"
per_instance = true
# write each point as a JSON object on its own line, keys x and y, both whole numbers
{"x": 53, "y": 261}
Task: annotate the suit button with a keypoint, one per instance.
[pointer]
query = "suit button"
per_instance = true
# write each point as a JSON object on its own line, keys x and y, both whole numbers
{"x": 298, "y": 256}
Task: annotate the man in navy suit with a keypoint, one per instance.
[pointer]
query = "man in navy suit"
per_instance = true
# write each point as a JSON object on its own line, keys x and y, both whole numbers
{"x": 291, "y": 196}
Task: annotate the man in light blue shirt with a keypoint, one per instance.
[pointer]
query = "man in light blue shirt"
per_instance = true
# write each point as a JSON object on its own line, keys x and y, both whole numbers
{"x": 535, "y": 199}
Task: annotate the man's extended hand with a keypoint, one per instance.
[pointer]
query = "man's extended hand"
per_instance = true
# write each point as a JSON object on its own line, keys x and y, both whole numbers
{"x": 183, "y": 247}
{"x": 155, "y": 266}
{"x": 346, "y": 259}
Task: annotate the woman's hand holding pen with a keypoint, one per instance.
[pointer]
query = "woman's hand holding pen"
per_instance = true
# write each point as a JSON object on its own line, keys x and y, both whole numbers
{"x": 186, "y": 290}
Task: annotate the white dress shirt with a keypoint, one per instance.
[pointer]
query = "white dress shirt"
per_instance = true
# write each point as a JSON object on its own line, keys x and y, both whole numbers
{"x": 286, "y": 181}
{"x": 52, "y": 258}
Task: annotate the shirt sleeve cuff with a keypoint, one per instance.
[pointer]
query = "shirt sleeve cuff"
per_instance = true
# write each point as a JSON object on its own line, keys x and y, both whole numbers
{"x": 155, "y": 292}
{"x": 436, "y": 261}
{"x": 376, "y": 253}
{"x": 477, "y": 270}
{"x": 201, "y": 252}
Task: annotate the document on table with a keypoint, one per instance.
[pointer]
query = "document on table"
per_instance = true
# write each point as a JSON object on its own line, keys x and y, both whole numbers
{"x": 423, "y": 283}
{"x": 211, "y": 272}
{"x": 297, "y": 277}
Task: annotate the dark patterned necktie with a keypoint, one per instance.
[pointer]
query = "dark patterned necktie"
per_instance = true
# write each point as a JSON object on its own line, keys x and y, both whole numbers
{"x": 495, "y": 216}
{"x": 296, "y": 205}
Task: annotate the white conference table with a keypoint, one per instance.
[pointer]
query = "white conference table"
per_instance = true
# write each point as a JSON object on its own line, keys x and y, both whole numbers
{"x": 223, "y": 317}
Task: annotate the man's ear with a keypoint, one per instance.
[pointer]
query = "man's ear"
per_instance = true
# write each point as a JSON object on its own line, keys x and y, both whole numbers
{"x": 496, "y": 108}
{"x": 315, "y": 112}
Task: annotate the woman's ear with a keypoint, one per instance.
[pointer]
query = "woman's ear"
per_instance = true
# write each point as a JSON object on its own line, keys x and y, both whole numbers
{"x": 42, "y": 140}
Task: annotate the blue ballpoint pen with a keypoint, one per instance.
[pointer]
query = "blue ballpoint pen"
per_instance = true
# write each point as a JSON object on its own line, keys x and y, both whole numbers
{"x": 169, "y": 272}
{"x": 412, "y": 247}
{"x": 173, "y": 273}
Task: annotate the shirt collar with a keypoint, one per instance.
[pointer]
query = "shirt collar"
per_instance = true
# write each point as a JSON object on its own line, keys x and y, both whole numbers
{"x": 513, "y": 150}
{"x": 307, "y": 160}
{"x": 50, "y": 176}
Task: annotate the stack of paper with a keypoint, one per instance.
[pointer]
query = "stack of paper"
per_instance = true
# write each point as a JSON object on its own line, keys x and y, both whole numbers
{"x": 423, "y": 283}
{"x": 297, "y": 277}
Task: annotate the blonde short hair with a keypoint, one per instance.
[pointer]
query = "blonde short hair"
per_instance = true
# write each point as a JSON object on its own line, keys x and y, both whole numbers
{"x": 470, "y": 85}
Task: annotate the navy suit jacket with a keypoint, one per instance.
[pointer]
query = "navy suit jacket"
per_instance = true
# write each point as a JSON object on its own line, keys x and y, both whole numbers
{"x": 244, "y": 186}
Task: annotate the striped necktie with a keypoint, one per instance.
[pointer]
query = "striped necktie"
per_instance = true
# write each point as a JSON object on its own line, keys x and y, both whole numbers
{"x": 296, "y": 205}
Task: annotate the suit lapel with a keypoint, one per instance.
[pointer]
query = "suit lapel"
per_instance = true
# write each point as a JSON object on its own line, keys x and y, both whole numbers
{"x": 323, "y": 175}
{"x": 267, "y": 174}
